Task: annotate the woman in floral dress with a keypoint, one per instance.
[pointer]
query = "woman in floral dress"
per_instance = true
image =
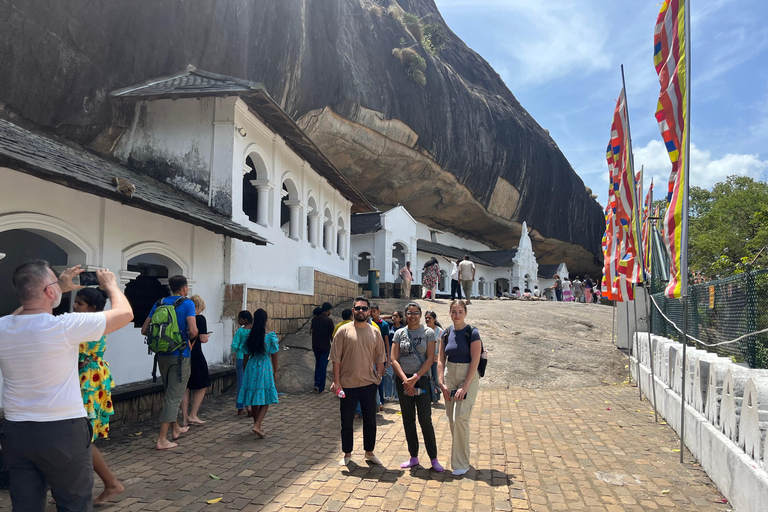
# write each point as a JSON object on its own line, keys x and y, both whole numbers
{"x": 258, "y": 390}
{"x": 430, "y": 275}
{"x": 96, "y": 386}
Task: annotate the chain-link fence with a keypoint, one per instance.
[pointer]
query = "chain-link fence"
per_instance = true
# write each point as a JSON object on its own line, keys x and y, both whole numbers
{"x": 720, "y": 311}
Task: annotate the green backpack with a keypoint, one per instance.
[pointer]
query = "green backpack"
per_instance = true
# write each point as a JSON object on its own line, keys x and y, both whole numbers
{"x": 164, "y": 336}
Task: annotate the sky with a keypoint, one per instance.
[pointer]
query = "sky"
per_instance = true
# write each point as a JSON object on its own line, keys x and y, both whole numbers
{"x": 562, "y": 60}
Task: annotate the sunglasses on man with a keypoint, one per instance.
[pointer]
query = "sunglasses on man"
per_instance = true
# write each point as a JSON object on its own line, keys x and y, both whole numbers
{"x": 361, "y": 308}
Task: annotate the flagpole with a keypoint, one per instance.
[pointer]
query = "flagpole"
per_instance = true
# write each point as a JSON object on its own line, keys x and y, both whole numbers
{"x": 635, "y": 225}
{"x": 684, "y": 223}
{"x": 637, "y": 342}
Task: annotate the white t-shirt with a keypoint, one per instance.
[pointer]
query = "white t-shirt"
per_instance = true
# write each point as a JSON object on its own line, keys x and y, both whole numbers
{"x": 38, "y": 358}
{"x": 466, "y": 269}
{"x": 454, "y": 271}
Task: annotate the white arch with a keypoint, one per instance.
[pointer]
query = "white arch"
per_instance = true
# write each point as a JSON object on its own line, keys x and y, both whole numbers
{"x": 291, "y": 183}
{"x": 63, "y": 234}
{"x": 311, "y": 203}
{"x": 255, "y": 149}
{"x": 155, "y": 247}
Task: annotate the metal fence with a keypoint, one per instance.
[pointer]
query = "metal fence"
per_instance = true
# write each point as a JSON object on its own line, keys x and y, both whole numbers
{"x": 720, "y": 311}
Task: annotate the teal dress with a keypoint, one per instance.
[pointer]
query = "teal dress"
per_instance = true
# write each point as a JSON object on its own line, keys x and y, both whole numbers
{"x": 259, "y": 380}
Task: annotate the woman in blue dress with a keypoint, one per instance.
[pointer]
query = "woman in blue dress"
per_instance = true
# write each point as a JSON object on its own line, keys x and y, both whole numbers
{"x": 258, "y": 390}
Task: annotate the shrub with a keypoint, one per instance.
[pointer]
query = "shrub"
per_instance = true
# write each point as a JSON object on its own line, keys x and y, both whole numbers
{"x": 376, "y": 10}
{"x": 414, "y": 64}
{"x": 435, "y": 37}
{"x": 413, "y": 24}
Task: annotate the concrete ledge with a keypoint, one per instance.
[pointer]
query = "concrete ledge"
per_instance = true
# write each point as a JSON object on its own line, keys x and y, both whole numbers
{"x": 141, "y": 401}
{"x": 741, "y": 478}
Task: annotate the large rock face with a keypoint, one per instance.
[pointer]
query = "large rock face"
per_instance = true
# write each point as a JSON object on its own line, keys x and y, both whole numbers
{"x": 460, "y": 152}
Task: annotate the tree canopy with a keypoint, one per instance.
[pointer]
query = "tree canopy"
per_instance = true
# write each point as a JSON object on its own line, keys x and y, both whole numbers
{"x": 728, "y": 226}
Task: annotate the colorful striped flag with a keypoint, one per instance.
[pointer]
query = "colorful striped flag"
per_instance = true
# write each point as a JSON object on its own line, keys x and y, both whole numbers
{"x": 647, "y": 227}
{"x": 669, "y": 58}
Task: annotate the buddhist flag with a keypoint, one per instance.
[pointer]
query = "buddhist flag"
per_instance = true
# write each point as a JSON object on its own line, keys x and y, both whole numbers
{"x": 669, "y": 58}
{"x": 626, "y": 217}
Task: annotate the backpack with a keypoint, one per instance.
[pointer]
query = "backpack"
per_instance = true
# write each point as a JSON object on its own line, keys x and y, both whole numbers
{"x": 468, "y": 336}
{"x": 164, "y": 335}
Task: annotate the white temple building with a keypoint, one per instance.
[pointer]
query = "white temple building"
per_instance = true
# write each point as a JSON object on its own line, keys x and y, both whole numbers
{"x": 386, "y": 240}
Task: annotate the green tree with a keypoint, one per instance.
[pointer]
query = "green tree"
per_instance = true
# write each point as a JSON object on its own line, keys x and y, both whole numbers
{"x": 728, "y": 225}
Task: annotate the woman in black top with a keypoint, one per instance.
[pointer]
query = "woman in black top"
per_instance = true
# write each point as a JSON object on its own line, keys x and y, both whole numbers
{"x": 199, "y": 380}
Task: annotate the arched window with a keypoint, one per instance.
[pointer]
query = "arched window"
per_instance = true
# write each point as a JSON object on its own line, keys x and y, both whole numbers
{"x": 21, "y": 246}
{"x": 363, "y": 264}
{"x": 313, "y": 218}
{"x": 442, "y": 283}
{"x": 290, "y": 208}
{"x": 151, "y": 284}
{"x": 256, "y": 190}
{"x": 328, "y": 231}
{"x": 481, "y": 286}
{"x": 398, "y": 260}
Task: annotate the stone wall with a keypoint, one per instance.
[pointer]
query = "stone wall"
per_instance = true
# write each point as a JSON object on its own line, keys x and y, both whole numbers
{"x": 287, "y": 311}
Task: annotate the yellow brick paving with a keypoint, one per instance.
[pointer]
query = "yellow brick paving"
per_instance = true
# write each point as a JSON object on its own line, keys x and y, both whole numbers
{"x": 595, "y": 449}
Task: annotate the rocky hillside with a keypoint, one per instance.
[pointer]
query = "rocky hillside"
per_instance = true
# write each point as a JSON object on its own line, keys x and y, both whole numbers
{"x": 400, "y": 104}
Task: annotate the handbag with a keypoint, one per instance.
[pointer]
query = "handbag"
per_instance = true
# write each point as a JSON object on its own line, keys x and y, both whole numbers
{"x": 433, "y": 396}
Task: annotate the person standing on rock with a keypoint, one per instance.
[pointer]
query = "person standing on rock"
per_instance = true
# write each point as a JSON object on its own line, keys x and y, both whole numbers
{"x": 407, "y": 276}
{"x": 578, "y": 289}
{"x": 467, "y": 277}
{"x": 357, "y": 353}
{"x": 455, "y": 285}
{"x": 557, "y": 288}
{"x": 322, "y": 333}
{"x": 588, "y": 285}
{"x": 413, "y": 350}
{"x": 459, "y": 355}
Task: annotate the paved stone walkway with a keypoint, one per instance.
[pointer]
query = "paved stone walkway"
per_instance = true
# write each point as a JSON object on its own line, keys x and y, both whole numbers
{"x": 595, "y": 449}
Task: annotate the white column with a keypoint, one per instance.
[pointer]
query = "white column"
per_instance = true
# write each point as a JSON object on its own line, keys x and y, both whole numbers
{"x": 313, "y": 223}
{"x": 342, "y": 250}
{"x": 263, "y": 188}
{"x": 328, "y": 236}
{"x": 294, "y": 206}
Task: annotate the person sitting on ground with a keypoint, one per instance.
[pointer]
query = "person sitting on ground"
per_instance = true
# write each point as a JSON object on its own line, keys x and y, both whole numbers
{"x": 536, "y": 292}
{"x": 237, "y": 350}
{"x": 199, "y": 379}
{"x": 258, "y": 391}
{"x": 42, "y": 401}
{"x": 527, "y": 294}
{"x": 346, "y": 317}
{"x": 96, "y": 387}
{"x": 175, "y": 366}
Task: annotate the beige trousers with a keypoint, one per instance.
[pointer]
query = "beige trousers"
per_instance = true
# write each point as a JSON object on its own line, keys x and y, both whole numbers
{"x": 405, "y": 288}
{"x": 459, "y": 412}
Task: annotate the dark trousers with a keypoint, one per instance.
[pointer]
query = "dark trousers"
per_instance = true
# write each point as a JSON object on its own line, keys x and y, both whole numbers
{"x": 366, "y": 395}
{"x": 455, "y": 289}
{"x": 409, "y": 406}
{"x": 321, "y": 368}
{"x": 49, "y": 453}
{"x": 559, "y": 295}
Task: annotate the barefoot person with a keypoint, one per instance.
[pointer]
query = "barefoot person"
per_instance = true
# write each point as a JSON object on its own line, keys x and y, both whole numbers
{"x": 44, "y": 413}
{"x": 457, "y": 371}
{"x": 237, "y": 351}
{"x": 357, "y": 353}
{"x": 96, "y": 387}
{"x": 258, "y": 391}
{"x": 413, "y": 350}
{"x": 199, "y": 380}
{"x": 175, "y": 366}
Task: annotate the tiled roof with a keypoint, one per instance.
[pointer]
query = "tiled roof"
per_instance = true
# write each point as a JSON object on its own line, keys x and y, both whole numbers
{"x": 194, "y": 82}
{"x": 499, "y": 258}
{"x": 66, "y": 163}
{"x": 363, "y": 223}
{"x": 450, "y": 252}
{"x": 547, "y": 271}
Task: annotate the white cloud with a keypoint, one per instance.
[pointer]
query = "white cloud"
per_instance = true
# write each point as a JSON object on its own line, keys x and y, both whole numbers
{"x": 546, "y": 40}
{"x": 705, "y": 171}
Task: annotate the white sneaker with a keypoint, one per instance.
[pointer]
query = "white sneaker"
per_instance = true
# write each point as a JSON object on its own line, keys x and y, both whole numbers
{"x": 459, "y": 472}
{"x": 345, "y": 461}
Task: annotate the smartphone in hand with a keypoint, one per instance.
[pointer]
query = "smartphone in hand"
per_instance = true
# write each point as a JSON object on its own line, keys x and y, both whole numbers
{"x": 88, "y": 279}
